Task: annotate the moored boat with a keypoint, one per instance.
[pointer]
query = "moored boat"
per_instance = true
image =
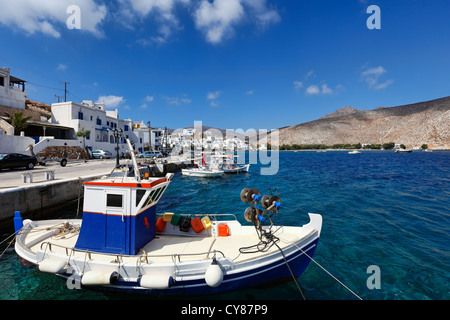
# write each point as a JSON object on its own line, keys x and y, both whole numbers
{"x": 230, "y": 165}
{"x": 123, "y": 244}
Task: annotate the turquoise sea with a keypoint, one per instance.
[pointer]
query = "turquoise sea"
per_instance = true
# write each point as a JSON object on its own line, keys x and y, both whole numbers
{"x": 379, "y": 208}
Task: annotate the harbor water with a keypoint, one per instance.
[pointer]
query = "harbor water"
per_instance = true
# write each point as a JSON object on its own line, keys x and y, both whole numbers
{"x": 381, "y": 211}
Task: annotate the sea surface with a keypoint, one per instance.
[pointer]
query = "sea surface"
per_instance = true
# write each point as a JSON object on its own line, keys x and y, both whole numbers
{"x": 379, "y": 208}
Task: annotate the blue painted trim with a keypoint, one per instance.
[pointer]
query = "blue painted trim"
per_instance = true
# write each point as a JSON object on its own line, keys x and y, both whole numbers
{"x": 115, "y": 234}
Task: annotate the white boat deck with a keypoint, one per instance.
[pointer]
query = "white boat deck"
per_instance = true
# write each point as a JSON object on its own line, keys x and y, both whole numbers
{"x": 164, "y": 248}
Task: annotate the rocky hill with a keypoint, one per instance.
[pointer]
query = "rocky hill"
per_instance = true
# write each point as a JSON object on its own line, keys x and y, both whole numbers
{"x": 412, "y": 125}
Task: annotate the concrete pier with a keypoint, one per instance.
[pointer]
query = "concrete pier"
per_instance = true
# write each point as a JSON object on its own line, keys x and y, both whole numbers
{"x": 34, "y": 198}
{"x": 41, "y": 194}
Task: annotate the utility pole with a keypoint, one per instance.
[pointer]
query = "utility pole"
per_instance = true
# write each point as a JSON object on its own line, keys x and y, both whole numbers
{"x": 65, "y": 90}
{"x": 149, "y": 136}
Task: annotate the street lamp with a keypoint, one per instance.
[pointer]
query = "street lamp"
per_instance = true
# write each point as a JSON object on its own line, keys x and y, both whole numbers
{"x": 117, "y": 135}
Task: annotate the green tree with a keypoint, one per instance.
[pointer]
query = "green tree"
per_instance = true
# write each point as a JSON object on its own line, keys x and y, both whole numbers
{"x": 83, "y": 134}
{"x": 18, "y": 121}
{"x": 424, "y": 146}
{"x": 388, "y": 146}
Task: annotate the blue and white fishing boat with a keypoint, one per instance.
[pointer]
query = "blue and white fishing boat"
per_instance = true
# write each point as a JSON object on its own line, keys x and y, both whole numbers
{"x": 123, "y": 244}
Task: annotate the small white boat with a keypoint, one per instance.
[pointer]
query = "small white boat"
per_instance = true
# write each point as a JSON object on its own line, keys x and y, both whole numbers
{"x": 201, "y": 171}
{"x": 403, "y": 151}
{"x": 122, "y": 244}
{"x": 354, "y": 152}
{"x": 205, "y": 171}
{"x": 231, "y": 166}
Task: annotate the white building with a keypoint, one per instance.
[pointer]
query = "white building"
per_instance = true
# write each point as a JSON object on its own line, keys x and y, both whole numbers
{"x": 157, "y": 140}
{"x": 101, "y": 122}
{"x": 12, "y": 90}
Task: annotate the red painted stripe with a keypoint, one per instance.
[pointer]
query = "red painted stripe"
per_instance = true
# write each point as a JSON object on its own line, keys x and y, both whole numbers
{"x": 128, "y": 185}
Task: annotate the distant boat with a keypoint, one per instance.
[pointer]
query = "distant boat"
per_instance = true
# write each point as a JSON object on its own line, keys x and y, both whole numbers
{"x": 204, "y": 170}
{"x": 354, "y": 152}
{"x": 231, "y": 166}
{"x": 403, "y": 150}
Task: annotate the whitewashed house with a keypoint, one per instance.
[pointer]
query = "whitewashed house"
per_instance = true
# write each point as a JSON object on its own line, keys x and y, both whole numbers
{"x": 12, "y": 90}
{"x": 104, "y": 125}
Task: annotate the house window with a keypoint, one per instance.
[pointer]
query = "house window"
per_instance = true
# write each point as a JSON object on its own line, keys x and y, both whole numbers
{"x": 99, "y": 121}
{"x": 80, "y": 115}
{"x": 114, "y": 200}
{"x": 107, "y": 123}
{"x": 2, "y": 81}
{"x": 125, "y": 128}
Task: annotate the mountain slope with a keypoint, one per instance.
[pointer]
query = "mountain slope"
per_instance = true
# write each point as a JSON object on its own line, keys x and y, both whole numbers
{"x": 414, "y": 124}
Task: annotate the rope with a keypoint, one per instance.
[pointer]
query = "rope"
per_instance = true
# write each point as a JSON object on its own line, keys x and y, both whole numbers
{"x": 329, "y": 273}
{"x": 292, "y": 274}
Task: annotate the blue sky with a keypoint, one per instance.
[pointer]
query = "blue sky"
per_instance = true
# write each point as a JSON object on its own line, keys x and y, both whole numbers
{"x": 232, "y": 64}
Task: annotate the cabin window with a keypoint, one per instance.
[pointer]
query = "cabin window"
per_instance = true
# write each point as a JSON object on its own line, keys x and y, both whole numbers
{"x": 139, "y": 195}
{"x": 159, "y": 194}
{"x": 114, "y": 200}
{"x": 149, "y": 199}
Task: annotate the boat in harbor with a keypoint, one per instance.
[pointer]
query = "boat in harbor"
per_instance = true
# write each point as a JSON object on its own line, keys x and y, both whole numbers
{"x": 403, "y": 151}
{"x": 204, "y": 170}
{"x": 123, "y": 244}
{"x": 230, "y": 165}
{"x": 354, "y": 152}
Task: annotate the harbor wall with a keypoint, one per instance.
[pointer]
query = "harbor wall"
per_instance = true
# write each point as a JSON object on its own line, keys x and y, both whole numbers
{"x": 33, "y": 201}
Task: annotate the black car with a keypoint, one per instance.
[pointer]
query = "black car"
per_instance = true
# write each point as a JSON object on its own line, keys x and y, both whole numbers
{"x": 16, "y": 160}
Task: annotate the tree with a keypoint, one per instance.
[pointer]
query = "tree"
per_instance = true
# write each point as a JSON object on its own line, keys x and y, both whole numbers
{"x": 424, "y": 146}
{"x": 402, "y": 146}
{"x": 83, "y": 134}
{"x": 18, "y": 121}
{"x": 388, "y": 146}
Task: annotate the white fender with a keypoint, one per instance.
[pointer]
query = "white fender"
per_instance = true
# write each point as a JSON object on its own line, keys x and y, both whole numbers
{"x": 98, "y": 277}
{"x": 156, "y": 281}
{"x": 214, "y": 275}
{"x": 53, "y": 266}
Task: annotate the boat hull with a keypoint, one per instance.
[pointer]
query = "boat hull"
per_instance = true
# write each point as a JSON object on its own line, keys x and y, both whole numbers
{"x": 237, "y": 169}
{"x": 201, "y": 173}
{"x": 270, "y": 273}
{"x": 243, "y": 262}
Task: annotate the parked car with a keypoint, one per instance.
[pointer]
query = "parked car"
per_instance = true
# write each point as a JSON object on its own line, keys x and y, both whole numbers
{"x": 17, "y": 160}
{"x": 150, "y": 154}
{"x": 101, "y": 154}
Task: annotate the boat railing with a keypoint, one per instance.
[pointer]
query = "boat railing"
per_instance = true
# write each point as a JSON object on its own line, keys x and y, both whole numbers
{"x": 214, "y": 216}
{"x": 119, "y": 257}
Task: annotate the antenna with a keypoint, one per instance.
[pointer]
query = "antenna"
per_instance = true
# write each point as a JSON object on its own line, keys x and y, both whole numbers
{"x": 65, "y": 90}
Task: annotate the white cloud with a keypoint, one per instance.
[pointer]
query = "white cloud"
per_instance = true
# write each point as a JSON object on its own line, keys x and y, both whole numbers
{"x": 218, "y": 18}
{"x": 250, "y": 92}
{"x": 313, "y": 89}
{"x": 183, "y": 99}
{"x": 213, "y": 96}
{"x": 149, "y": 98}
{"x": 326, "y": 90}
{"x": 372, "y": 77}
{"x": 298, "y": 85}
{"x": 111, "y": 101}
{"x": 61, "y": 67}
{"x": 50, "y": 16}
{"x": 161, "y": 11}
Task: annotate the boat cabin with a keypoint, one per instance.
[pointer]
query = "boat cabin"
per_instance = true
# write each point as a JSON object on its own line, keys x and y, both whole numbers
{"x": 119, "y": 214}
